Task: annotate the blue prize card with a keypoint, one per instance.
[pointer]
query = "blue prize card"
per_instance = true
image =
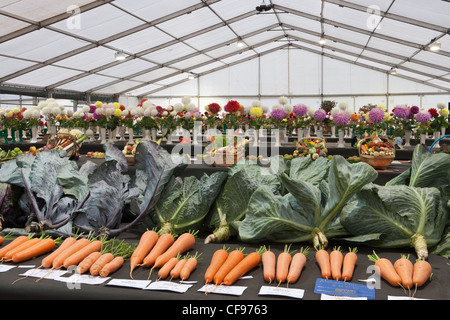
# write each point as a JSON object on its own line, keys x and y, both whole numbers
{"x": 341, "y": 288}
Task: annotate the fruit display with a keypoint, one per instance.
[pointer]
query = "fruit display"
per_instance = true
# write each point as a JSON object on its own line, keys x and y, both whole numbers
{"x": 310, "y": 147}
{"x": 376, "y": 146}
{"x": 96, "y": 155}
{"x": 9, "y": 154}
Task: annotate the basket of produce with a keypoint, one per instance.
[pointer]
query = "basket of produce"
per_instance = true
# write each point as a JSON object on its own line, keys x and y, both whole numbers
{"x": 67, "y": 142}
{"x": 225, "y": 151}
{"x": 310, "y": 147}
{"x": 378, "y": 151}
{"x": 129, "y": 150}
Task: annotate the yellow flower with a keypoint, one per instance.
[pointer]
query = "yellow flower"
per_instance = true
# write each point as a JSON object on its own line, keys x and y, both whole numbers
{"x": 381, "y": 107}
{"x": 444, "y": 112}
{"x": 98, "y": 104}
{"x": 9, "y": 114}
{"x": 116, "y": 105}
{"x": 16, "y": 110}
{"x": 256, "y": 112}
{"x": 387, "y": 116}
{"x": 118, "y": 113}
{"x": 367, "y": 117}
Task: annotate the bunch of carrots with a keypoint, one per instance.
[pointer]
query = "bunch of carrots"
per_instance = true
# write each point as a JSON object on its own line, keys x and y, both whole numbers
{"x": 164, "y": 252}
{"x": 335, "y": 265}
{"x": 287, "y": 267}
{"x": 227, "y": 267}
{"x": 99, "y": 256}
{"x": 403, "y": 272}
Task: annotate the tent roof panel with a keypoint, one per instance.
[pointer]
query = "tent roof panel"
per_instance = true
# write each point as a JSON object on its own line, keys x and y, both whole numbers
{"x": 10, "y": 25}
{"x": 43, "y": 77}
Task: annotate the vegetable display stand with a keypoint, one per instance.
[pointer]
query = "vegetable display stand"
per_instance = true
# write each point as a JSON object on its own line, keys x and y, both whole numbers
{"x": 378, "y": 151}
{"x": 68, "y": 143}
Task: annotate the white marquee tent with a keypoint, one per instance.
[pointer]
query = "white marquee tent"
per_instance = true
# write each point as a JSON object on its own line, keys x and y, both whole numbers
{"x": 372, "y": 51}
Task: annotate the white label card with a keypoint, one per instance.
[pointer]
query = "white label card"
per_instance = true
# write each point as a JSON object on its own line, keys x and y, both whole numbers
{"x": 221, "y": 289}
{"x": 44, "y": 273}
{"x": 279, "y": 291}
{"x": 138, "y": 284}
{"x": 77, "y": 278}
{"x": 4, "y": 268}
{"x": 324, "y": 296}
{"x": 169, "y": 286}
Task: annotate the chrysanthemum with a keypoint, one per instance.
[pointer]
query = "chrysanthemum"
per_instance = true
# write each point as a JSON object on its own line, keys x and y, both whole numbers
{"x": 423, "y": 116}
{"x": 256, "y": 112}
{"x": 341, "y": 117}
{"x": 320, "y": 114}
{"x": 214, "y": 108}
{"x": 300, "y": 110}
{"x": 401, "y": 112}
{"x": 278, "y": 114}
{"x": 376, "y": 115}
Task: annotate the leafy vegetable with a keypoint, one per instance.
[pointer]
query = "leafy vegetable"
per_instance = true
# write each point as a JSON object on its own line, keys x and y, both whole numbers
{"x": 185, "y": 203}
{"x": 397, "y": 216}
{"x": 308, "y": 212}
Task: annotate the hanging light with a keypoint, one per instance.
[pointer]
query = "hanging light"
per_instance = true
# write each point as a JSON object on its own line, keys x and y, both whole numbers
{"x": 240, "y": 43}
{"x": 435, "y": 46}
{"x": 120, "y": 56}
{"x": 191, "y": 76}
{"x": 322, "y": 41}
{"x": 393, "y": 71}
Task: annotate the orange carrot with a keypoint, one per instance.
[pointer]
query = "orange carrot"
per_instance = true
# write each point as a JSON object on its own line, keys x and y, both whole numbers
{"x": 146, "y": 243}
{"x": 386, "y": 270}
{"x": 336, "y": 261}
{"x": 163, "y": 243}
{"x": 234, "y": 257}
{"x": 216, "y": 262}
{"x": 175, "y": 272}
{"x": 323, "y": 260}
{"x": 404, "y": 268}
{"x": 112, "y": 266}
{"x": 27, "y": 244}
{"x": 1, "y": 240}
{"x": 167, "y": 267}
{"x": 48, "y": 260}
{"x": 13, "y": 244}
{"x": 268, "y": 260}
{"x": 297, "y": 264}
{"x": 87, "y": 262}
{"x": 283, "y": 262}
{"x": 77, "y": 257}
{"x": 250, "y": 261}
{"x": 100, "y": 263}
{"x": 41, "y": 247}
{"x": 58, "y": 262}
{"x": 349, "y": 264}
{"x": 422, "y": 272}
{"x": 189, "y": 267}
{"x": 182, "y": 244}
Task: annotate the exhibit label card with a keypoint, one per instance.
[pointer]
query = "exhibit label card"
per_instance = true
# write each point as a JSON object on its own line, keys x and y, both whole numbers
{"x": 138, "y": 284}
{"x": 278, "y": 291}
{"x": 231, "y": 290}
{"x": 342, "y": 288}
{"x": 169, "y": 286}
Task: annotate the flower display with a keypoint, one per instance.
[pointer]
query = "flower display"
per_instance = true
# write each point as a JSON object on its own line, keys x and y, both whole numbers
{"x": 341, "y": 118}
{"x": 278, "y": 114}
{"x": 300, "y": 110}
{"x": 423, "y": 116}
{"x": 214, "y": 108}
{"x": 320, "y": 115}
{"x": 401, "y": 112}
{"x": 414, "y": 110}
{"x": 232, "y": 106}
{"x": 376, "y": 115}
{"x": 433, "y": 112}
{"x": 256, "y": 112}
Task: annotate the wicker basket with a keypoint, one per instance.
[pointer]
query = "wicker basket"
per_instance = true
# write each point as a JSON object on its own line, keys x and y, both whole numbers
{"x": 378, "y": 162}
{"x": 73, "y": 150}
{"x": 224, "y": 159}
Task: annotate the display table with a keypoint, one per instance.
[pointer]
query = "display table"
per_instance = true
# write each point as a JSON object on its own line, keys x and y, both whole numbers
{"x": 48, "y": 289}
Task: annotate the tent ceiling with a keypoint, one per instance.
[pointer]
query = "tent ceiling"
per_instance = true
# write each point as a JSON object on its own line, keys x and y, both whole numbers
{"x": 69, "y": 45}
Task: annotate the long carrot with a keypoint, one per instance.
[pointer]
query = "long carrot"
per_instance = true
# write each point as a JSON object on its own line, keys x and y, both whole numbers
{"x": 77, "y": 257}
{"x": 422, "y": 272}
{"x": 349, "y": 264}
{"x": 48, "y": 260}
{"x": 183, "y": 243}
{"x": 41, "y": 247}
{"x": 167, "y": 267}
{"x": 13, "y": 244}
{"x": 218, "y": 258}
{"x": 100, "y": 263}
{"x": 323, "y": 260}
{"x": 163, "y": 243}
{"x": 189, "y": 266}
{"x": 27, "y": 244}
{"x": 283, "y": 262}
{"x": 386, "y": 270}
{"x": 87, "y": 262}
{"x": 404, "y": 268}
{"x": 336, "y": 261}
{"x": 146, "y": 243}
{"x": 58, "y": 262}
{"x": 175, "y": 272}
{"x": 268, "y": 259}
{"x": 250, "y": 262}
{"x": 2, "y": 239}
{"x": 297, "y": 264}
{"x": 234, "y": 257}
{"x": 112, "y": 266}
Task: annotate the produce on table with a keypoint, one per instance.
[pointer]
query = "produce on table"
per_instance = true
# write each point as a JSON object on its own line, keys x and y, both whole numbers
{"x": 218, "y": 258}
{"x": 297, "y": 264}
{"x": 412, "y": 210}
{"x": 96, "y": 154}
{"x": 311, "y": 148}
{"x": 10, "y": 154}
{"x": 376, "y": 146}
{"x": 308, "y": 212}
{"x": 249, "y": 262}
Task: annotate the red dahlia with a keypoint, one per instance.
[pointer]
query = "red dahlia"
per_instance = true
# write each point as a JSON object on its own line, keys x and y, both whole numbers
{"x": 232, "y": 106}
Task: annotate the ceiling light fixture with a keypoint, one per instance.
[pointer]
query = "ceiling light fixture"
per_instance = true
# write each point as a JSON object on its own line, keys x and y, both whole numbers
{"x": 120, "y": 56}
{"x": 191, "y": 76}
{"x": 393, "y": 71}
{"x": 263, "y": 7}
{"x": 435, "y": 46}
{"x": 322, "y": 41}
{"x": 240, "y": 43}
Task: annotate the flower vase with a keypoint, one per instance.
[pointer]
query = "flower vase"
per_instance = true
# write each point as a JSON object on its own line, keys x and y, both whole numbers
{"x": 19, "y": 135}
{"x": 164, "y": 134}
{"x": 278, "y": 137}
{"x": 102, "y": 135}
{"x": 147, "y": 134}
{"x": 341, "y": 141}
{"x": 130, "y": 135}
{"x": 122, "y": 133}
{"x": 407, "y": 138}
{"x": 437, "y": 135}
{"x": 24, "y": 134}
{"x": 153, "y": 135}
{"x": 13, "y": 136}
{"x": 52, "y": 131}
{"x": 333, "y": 132}
{"x": 319, "y": 133}
{"x": 255, "y": 137}
{"x": 111, "y": 135}
{"x": 6, "y": 135}
{"x": 443, "y": 129}
{"x": 423, "y": 138}
{"x": 247, "y": 128}
{"x": 169, "y": 138}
